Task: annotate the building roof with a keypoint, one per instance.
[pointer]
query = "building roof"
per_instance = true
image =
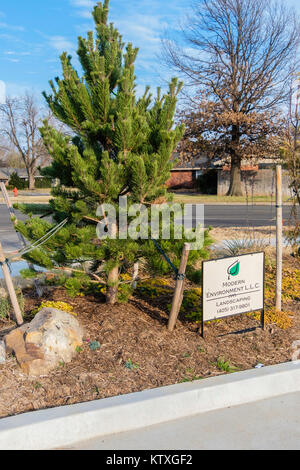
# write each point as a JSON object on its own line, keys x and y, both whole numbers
{"x": 202, "y": 162}
{"x": 189, "y": 164}
{"x": 21, "y": 172}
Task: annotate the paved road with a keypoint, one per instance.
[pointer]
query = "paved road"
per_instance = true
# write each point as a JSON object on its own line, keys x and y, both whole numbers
{"x": 215, "y": 215}
{"x": 272, "y": 424}
{"x": 241, "y": 216}
{"x": 27, "y": 193}
{"x": 8, "y": 236}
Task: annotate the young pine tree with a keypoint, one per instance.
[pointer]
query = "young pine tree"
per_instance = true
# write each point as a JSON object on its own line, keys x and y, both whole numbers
{"x": 117, "y": 145}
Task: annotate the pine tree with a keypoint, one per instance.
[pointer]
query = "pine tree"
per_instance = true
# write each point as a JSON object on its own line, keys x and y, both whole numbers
{"x": 118, "y": 145}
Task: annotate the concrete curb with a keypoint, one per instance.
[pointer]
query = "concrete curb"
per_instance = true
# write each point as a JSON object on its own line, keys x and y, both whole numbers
{"x": 45, "y": 200}
{"x": 65, "y": 426}
{"x": 269, "y": 204}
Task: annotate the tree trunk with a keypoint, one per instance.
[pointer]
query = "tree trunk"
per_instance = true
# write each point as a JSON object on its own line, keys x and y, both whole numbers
{"x": 112, "y": 286}
{"x": 235, "y": 188}
{"x": 296, "y": 191}
{"x": 31, "y": 180}
{"x": 113, "y": 275}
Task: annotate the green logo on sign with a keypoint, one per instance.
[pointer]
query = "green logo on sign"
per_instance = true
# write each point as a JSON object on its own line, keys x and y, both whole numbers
{"x": 234, "y": 269}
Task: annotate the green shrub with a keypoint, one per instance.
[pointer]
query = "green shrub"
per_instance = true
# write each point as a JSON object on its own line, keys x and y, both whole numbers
{"x": 42, "y": 183}
{"x": 237, "y": 246}
{"x": 17, "y": 182}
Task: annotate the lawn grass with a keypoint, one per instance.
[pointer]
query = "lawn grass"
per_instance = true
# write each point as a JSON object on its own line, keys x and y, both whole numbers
{"x": 194, "y": 198}
{"x": 185, "y": 198}
{"x": 29, "y": 199}
{"x": 25, "y": 192}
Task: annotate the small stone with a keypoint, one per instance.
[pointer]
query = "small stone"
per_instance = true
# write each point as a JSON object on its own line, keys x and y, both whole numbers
{"x": 259, "y": 366}
{"x": 94, "y": 345}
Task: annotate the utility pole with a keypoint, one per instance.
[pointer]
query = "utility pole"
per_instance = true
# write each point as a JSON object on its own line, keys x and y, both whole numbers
{"x": 278, "y": 236}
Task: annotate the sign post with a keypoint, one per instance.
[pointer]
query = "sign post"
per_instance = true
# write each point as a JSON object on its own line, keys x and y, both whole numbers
{"x": 233, "y": 286}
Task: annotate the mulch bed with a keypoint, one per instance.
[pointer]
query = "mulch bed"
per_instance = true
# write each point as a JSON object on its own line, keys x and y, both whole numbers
{"x": 137, "y": 331}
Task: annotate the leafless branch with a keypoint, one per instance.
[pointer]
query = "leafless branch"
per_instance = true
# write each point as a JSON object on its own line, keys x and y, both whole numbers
{"x": 20, "y": 122}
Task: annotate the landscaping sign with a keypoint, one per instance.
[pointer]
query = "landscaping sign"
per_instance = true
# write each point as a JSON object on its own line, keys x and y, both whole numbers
{"x": 232, "y": 286}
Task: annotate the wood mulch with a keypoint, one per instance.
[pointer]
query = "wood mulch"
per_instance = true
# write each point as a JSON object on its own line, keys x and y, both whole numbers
{"x": 136, "y": 334}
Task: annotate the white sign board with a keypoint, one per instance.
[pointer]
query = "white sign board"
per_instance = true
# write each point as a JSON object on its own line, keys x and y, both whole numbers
{"x": 232, "y": 286}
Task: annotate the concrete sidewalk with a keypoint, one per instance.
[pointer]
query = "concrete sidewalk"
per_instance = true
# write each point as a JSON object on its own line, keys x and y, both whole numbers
{"x": 258, "y": 407}
{"x": 272, "y": 424}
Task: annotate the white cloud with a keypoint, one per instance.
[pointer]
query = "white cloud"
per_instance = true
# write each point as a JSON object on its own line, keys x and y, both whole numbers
{"x": 16, "y": 90}
{"x": 84, "y": 7}
{"x": 61, "y": 44}
{"x": 14, "y": 53}
{"x": 11, "y": 27}
{"x": 2, "y": 92}
{"x": 82, "y": 3}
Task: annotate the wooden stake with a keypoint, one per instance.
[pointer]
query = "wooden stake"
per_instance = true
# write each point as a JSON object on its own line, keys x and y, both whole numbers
{"x": 135, "y": 274}
{"x": 7, "y": 200}
{"x": 10, "y": 288}
{"x": 179, "y": 288}
{"x": 278, "y": 236}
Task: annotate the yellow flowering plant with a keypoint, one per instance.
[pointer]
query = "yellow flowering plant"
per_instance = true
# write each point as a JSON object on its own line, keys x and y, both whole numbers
{"x": 58, "y": 305}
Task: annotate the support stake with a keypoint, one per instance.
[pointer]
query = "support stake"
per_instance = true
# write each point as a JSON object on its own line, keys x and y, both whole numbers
{"x": 10, "y": 288}
{"x": 278, "y": 236}
{"x": 179, "y": 288}
{"x": 135, "y": 274}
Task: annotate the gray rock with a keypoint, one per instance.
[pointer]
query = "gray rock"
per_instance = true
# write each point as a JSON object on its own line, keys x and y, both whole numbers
{"x": 51, "y": 338}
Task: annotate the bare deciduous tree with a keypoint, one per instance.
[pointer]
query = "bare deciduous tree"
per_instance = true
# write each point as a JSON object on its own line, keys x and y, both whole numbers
{"x": 290, "y": 153}
{"x": 9, "y": 156}
{"x": 20, "y": 122}
{"x": 291, "y": 144}
{"x": 240, "y": 55}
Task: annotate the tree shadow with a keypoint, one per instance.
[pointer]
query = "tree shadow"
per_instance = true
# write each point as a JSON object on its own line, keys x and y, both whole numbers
{"x": 240, "y": 332}
{"x": 155, "y": 312}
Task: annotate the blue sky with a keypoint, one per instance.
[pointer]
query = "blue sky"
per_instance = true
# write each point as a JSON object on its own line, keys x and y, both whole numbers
{"x": 33, "y": 33}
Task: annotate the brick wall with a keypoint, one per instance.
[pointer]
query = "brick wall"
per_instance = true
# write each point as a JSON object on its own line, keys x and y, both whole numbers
{"x": 181, "y": 179}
